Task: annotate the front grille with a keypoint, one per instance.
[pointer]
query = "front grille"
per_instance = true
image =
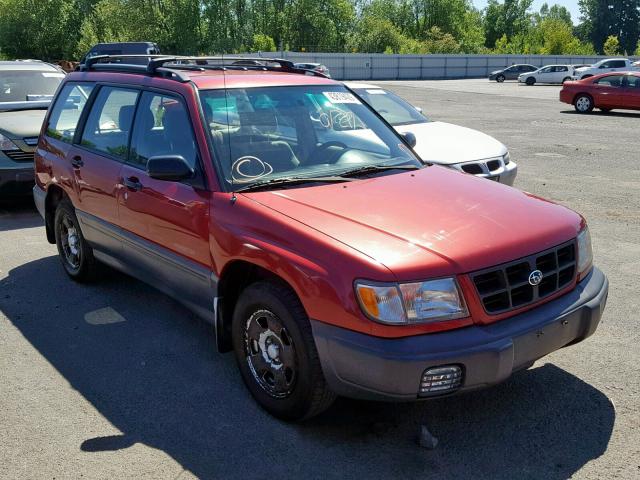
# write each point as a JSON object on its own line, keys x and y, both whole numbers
{"x": 19, "y": 155}
{"x": 507, "y": 287}
{"x": 493, "y": 165}
{"x": 472, "y": 168}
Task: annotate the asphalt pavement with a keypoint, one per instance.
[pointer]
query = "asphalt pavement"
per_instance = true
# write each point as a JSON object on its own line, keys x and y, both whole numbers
{"x": 115, "y": 380}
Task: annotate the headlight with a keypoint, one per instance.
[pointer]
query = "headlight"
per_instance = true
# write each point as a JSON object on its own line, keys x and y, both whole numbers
{"x": 585, "y": 255}
{"x": 400, "y": 304}
{"x": 506, "y": 158}
{"x": 6, "y": 144}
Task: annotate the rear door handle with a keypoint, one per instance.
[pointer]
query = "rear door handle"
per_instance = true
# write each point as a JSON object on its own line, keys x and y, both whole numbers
{"x": 132, "y": 183}
{"x": 77, "y": 162}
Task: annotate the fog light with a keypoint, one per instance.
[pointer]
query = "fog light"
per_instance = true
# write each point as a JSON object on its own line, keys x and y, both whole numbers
{"x": 440, "y": 380}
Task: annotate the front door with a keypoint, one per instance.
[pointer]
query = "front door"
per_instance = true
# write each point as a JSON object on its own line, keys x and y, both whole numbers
{"x": 166, "y": 223}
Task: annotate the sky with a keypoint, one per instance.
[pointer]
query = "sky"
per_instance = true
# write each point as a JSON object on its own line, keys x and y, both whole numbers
{"x": 572, "y": 5}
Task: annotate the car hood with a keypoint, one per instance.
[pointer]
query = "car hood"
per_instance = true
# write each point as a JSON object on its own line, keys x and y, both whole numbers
{"x": 21, "y": 123}
{"x": 428, "y": 223}
{"x": 582, "y": 69}
{"x": 447, "y": 144}
{"x": 496, "y": 71}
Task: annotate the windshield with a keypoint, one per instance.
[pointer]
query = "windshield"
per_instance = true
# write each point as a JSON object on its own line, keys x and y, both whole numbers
{"x": 28, "y": 85}
{"x": 392, "y": 108}
{"x": 261, "y": 134}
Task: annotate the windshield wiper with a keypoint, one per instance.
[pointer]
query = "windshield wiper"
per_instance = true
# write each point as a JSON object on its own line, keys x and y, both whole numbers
{"x": 274, "y": 182}
{"x": 378, "y": 168}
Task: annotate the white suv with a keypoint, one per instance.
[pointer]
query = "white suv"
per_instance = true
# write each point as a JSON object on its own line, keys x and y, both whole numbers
{"x": 548, "y": 74}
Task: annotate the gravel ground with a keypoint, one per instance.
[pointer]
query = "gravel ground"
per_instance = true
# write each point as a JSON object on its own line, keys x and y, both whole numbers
{"x": 115, "y": 380}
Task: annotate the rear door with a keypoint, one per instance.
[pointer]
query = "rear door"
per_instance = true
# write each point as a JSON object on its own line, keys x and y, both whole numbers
{"x": 560, "y": 73}
{"x": 98, "y": 158}
{"x": 166, "y": 223}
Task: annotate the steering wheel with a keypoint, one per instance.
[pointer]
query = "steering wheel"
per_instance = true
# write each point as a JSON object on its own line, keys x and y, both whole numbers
{"x": 319, "y": 151}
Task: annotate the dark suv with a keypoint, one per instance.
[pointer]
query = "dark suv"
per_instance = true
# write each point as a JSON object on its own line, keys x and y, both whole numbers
{"x": 278, "y": 206}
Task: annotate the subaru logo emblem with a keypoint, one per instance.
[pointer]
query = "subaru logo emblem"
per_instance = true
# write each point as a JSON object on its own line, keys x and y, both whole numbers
{"x": 535, "y": 277}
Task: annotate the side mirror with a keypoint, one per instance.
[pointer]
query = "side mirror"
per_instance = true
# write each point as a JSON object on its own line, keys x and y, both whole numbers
{"x": 419, "y": 110}
{"x": 172, "y": 168}
{"x": 410, "y": 138}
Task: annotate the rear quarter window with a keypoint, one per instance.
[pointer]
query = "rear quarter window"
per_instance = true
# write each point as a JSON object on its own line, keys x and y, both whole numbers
{"x": 67, "y": 109}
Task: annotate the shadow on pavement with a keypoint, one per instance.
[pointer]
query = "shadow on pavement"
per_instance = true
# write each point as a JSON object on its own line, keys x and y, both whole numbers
{"x": 155, "y": 376}
{"x": 18, "y": 213}
{"x": 597, "y": 113}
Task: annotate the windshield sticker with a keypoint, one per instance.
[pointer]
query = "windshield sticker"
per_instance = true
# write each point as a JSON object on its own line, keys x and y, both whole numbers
{"x": 341, "y": 97}
{"x": 338, "y": 120}
{"x": 52, "y": 75}
{"x": 249, "y": 168}
{"x": 376, "y": 92}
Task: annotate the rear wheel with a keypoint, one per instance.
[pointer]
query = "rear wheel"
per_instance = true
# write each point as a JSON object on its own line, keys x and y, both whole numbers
{"x": 583, "y": 103}
{"x": 567, "y": 79}
{"x": 276, "y": 353}
{"x": 531, "y": 81}
{"x": 75, "y": 253}
{"x": 500, "y": 78}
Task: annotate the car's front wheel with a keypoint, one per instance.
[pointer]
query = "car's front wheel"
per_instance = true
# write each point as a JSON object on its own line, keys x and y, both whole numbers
{"x": 531, "y": 81}
{"x": 583, "y": 103}
{"x": 500, "y": 78}
{"x": 75, "y": 253}
{"x": 276, "y": 353}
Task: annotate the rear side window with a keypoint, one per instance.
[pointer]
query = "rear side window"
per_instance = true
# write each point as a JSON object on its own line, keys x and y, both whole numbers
{"x": 67, "y": 110}
{"x": 109, "y": 122}
{"x": 610, "y": 81}
{"x": 633, "y": 81}
{"x": 162, "y": 127}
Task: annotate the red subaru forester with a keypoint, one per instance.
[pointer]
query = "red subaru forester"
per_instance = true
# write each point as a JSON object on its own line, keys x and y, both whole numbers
{"x": 275, "y": 204}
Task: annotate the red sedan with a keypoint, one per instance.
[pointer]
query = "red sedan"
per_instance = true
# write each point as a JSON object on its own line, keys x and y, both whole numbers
{"x": 606, "y": 92}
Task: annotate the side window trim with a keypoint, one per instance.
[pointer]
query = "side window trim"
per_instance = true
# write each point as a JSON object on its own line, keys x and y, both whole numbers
{"x": 85, "y": 115}
{"x": 86, "y": 108}
{"x": 198, "y": 180}
{"x": 77, "y": 136}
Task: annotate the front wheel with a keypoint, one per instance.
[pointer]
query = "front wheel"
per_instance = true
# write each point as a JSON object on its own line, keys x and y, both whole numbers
{"x": 500, "y": 78}
{"x": 531, "y": 81}
{"x": 75, "y": 253}
{"x": 276, "y": 353}
{"x": 583, "y": 103}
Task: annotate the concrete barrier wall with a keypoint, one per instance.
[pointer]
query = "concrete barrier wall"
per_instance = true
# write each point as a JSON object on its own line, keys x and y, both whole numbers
{"x": 360, "y": 66}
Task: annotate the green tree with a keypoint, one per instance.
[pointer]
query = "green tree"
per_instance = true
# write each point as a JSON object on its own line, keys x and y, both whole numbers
{"x": 263, "y": 43}
{"x": 603, "y": 18}
{"x": 611, "y": 46}
{"x": 510, "y": 18}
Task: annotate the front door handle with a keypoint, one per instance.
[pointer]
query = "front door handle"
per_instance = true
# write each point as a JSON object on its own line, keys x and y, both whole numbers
{"x": 132, "y": 183}
{"x": 77, "y": 162}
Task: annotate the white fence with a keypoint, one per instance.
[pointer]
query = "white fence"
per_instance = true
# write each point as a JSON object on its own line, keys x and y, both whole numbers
{"x": 361, "y": 66}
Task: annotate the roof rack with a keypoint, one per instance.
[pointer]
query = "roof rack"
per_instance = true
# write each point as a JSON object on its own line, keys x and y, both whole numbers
{"x": 170, "y": 66}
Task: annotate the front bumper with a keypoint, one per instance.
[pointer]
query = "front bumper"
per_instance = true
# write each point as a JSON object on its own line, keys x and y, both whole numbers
{"x": 361, "y": 366}
{"x": 505, "y": 173}
{"x": 16, "y": 179}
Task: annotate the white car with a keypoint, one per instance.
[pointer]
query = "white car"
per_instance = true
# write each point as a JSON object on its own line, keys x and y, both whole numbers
{"x": 605, "y": 66}
{"x": 548, "y": 74}
{"x": 456, "y": 147}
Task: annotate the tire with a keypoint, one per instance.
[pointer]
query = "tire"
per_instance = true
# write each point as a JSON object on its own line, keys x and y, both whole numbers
{"x": 605, "y": 110}
{"x": 531, "y": 81}
{"x": 583, "y": 103}
{"x": 585, "y": 76}
{"x": 567, "y": 79}
{"x": 75, "y": 253}
{"x": 276, "y": 353}
{"x": 500, "y": 78}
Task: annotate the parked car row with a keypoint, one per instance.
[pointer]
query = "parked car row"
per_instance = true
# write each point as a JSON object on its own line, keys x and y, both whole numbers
{"x": 292, "y": 213}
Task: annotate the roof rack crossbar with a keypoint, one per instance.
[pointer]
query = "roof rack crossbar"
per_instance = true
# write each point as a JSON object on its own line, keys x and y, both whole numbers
{"x": 159, "y": 63}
